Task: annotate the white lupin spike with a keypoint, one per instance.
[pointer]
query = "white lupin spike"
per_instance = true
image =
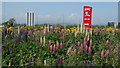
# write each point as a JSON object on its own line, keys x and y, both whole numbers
{"x": 41, "y": 39}
{"x": 18, "y": 30}
{"x": 68, "y": 51}
{"x": 75, "y": 34}
{"x": 48, "y": 27}
{"x": 44, "y": 62}
{"x": 88, "y": 37}
{"x": 44, "y": 39}
{"x": 81, "y": 28}
{"x": 91, "y": 31}
{"x": 115, "y": 25}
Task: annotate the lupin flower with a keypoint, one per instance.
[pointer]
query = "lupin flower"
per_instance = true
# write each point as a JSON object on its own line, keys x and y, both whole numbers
{"x": 18, "y": 30}
{"x": 41, "y": 40}
{"x": 11, "y": 50}
{"x": 16, "y": 40}
{"x": 107, "y": 42}
{"x": 49, "y": 43}
{"x": 56, "y": 31}
{"x": 21, "y": 32}
{"x": 1, "y": 48}
{"x": 75, "y": 33}
{"x": 107, "y": 52}
{"x": 26, "y": 31}
{"x": 85, "y": 38}
{"x": 62, "y": 30}
{"x": 86, "y": 48}
{"x": 85, "y": 63}
{"x": 81, "y": 28}
{"x": 45, "y": 62}
{"x": 68, "y": 51}
{"x": 29, "y": 32}
{"x": 89, "y": 50}
{"x": 61, "y": 61}
{"x": 51, "y": 48}
{"x": 102, "y": 54}
{"x": 54, "y": 48}
{"x": 10, "y": 63}
{"x": 57, "y": 44}
{"x": 90, "y": 43}
{"x": 61, "y": 45}
{"x": 88, "y": 37}
{"x": 57, "y": 61}
{"x": 48, "y": 27}
{"x": 62, "y": 33}
{"x": 44, "y": 39}
{"x": 60, "y": 27}
{"x": 51, "y": 28}
{"x": 88, "y": 30}
{"x": 45, "y": 30}
{"x": 100, "y": 29}
{"x": 78, "y": 27}
{"x": 74, "y": 51}
{"x": 90, "y": 63}
{"x": 79, "y": 46}
{"x": 85, "y": 43}
{"x": 30, "y": 59}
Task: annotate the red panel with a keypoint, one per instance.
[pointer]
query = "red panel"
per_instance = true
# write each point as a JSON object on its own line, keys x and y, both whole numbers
{"x": 87, "y": 16}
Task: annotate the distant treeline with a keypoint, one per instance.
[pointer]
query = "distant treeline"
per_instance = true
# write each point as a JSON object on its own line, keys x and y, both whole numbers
{"x": 12, "y": 23}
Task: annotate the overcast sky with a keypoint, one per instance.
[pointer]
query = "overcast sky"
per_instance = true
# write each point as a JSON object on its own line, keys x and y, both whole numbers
{"x": 54, "y": 12}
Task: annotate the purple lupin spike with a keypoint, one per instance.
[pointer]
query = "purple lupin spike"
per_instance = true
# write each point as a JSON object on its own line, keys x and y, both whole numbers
{"x": 61, "y": 61}
{"x": 11, "y": 50}
{"x": 57, "y": 61}
{"x": 85, "y": 63}
{"x": 90, "y": 63}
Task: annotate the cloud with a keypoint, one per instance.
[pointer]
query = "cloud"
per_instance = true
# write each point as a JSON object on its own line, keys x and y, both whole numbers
{"x": 46, "y": 16}
{"x": 73, "y": 15}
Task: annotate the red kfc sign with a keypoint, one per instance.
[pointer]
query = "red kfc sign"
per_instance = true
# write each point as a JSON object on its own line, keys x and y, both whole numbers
{"x": 87, "y": 16}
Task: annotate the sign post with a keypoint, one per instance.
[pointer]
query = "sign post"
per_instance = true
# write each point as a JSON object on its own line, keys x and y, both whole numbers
{"x": 87, "y": 16}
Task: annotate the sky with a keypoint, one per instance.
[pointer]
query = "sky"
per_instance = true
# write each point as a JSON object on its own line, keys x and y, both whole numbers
{"x": 61, "y": 0}
{"x": 57, "y": 12}
{"x": 119, "y": 11}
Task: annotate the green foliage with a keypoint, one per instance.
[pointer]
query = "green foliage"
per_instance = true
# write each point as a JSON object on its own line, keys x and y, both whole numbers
{"x": 9, "y": 23}
{"x": 39, "y": 52}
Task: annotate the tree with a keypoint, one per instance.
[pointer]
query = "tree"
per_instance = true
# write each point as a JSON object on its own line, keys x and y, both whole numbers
{"x": 9, "y": 23}
{"x": 119, "y": 25}
{"x": 109, "y": 24}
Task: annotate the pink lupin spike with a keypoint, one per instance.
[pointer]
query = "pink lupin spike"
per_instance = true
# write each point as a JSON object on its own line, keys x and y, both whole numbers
{"x": 102, "y": 54}
{"x": 107, "y": 42}
{"x": 85, "y": 38}
{"x": 85, "y": 48}
{"x": 90, "y": 43}
{"x": 51, "y": 48}
{"x": 79, "y": 46}
{"x": 107, "y": 52}
{"x": 89, "y": 50}
{"x": 54, "y": 49}
{"x": 49, "y": 43}
{"x": 57, "y": 44}
{"x": 75, "y": 52}
{"x": 61, "y": 45}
